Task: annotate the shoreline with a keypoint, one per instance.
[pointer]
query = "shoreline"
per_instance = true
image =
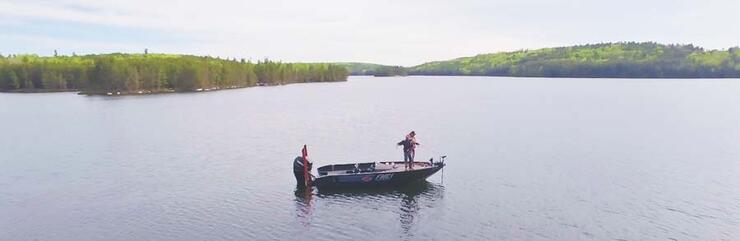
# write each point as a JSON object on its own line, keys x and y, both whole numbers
{"x": 158, "y": 92}
{"x": 36, "y": 91}
{"x": 552, "y": 77}
{"x": 150, "y": 92}
{"x": 216, "y": 88}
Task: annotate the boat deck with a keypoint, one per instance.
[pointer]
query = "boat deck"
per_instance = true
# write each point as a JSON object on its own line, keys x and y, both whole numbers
{"x": 373, "y": 167}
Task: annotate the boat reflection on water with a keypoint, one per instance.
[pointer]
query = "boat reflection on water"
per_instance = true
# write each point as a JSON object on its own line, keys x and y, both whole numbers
{"x": 304, "y": 208}
{"x": 411, "y": 198}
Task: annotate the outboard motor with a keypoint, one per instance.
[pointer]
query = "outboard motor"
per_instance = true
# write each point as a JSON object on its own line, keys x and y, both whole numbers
{"x": 298, "y": 171}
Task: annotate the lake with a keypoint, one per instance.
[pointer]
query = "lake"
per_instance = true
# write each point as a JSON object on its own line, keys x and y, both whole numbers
{"x": 528, "y": 159}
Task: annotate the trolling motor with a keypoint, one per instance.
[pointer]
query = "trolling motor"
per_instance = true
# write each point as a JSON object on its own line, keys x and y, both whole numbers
{"x": 441, "y": 161}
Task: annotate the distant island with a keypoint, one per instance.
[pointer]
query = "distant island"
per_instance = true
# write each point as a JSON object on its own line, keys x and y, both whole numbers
{"x": 118, "y": 74}
{"x": 607, "y": 60}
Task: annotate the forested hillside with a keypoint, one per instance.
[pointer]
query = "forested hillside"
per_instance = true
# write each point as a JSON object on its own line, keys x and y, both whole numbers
{"x": 618, "y": 60}
{"x": 152, "y": 73}
{"x": 373, "y": 69}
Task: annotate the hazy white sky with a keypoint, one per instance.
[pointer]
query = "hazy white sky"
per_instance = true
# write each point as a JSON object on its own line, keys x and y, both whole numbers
{"x": 380, "y": 31}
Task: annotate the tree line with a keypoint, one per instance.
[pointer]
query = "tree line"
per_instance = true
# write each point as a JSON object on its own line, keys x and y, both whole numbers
{"x": 153, "y": 73}
{"x": 613, "y": 60}
{"x": 373, "y": 69}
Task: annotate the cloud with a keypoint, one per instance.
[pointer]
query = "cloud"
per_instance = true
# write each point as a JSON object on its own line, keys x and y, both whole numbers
{"x": 384, "y": 31}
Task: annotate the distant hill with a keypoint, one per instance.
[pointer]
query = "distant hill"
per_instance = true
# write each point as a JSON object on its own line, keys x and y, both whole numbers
{"x": 609, "y": 60}
{"x": 373, "y": 69}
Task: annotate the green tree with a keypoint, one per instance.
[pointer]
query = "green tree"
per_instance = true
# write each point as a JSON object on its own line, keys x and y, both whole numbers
{"x": 10, "y": 79}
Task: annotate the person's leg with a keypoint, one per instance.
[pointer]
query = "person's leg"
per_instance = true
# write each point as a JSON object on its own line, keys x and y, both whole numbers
{"x": 412, "y": 153}
{"x": 406, "y": 158}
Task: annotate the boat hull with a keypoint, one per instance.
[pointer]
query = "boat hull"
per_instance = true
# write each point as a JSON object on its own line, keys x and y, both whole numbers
{"x": 376, "y": 179}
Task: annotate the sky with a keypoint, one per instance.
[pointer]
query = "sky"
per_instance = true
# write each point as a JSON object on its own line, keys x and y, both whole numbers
{"x": 394, "y": 32}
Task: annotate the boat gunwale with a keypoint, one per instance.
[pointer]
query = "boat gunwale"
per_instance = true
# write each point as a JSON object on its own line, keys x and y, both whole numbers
{"x": 393, "y": 170}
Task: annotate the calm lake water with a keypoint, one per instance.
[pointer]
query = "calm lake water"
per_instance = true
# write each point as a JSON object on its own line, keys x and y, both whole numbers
{"x": 528, "y": 159}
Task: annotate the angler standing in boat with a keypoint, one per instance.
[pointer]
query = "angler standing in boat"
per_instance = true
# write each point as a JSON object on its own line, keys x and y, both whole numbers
{"x": 409, "y": 149}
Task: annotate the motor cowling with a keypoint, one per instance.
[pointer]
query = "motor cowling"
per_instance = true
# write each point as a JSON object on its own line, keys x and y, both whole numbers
{"x": 298, "y": 171}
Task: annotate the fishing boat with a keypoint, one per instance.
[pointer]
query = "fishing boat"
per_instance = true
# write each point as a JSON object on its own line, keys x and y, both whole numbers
{"x": 363, "y": 175}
